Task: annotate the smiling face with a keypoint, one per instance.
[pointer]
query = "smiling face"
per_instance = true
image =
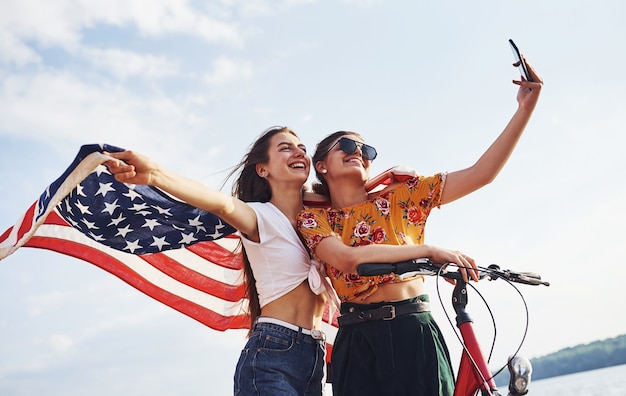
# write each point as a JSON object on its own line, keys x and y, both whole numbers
{"x": 288, "y": 162}
{"x": 344, "y": 158}
{"x": 276, "y": 162}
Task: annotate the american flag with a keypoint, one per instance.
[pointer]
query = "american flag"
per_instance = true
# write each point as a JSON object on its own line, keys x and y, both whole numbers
{"x": 171, "y": 251}
{"x": 177, "y": 254}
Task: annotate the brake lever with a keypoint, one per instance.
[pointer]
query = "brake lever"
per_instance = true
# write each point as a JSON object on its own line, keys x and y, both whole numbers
{"x": 529, "y": 278}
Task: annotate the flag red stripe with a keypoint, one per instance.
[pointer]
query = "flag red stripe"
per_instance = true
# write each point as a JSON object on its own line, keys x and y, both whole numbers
{"x": 217, "y": 254}
{"x": 27, "y": 222}
{"x": 115, "y": 267}
{"x": 194, "y": 279}
{"x": 5, "y": 235}
{"x": 210, "y": 251}
{"x": 326, "y": 315}
{"x": 56, "y": 219}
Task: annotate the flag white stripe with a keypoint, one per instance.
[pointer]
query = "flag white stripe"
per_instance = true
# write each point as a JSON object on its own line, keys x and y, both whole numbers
{"x": 147, "y": 271}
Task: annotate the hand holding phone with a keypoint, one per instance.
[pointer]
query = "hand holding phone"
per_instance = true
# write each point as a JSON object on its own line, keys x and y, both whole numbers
{"x": 520, "y": 61}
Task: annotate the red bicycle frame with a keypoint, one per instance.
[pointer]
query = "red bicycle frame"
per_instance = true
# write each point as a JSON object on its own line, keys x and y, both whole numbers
{"x": 473, "y": 373}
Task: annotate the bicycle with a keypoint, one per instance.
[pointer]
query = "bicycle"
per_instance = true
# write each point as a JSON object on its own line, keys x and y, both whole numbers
{"x": 473, "y": 373}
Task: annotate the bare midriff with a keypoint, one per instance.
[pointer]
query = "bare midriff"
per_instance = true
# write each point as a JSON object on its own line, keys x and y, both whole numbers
{"x": 395, "y": 291}
{"x": 300, "y": 307}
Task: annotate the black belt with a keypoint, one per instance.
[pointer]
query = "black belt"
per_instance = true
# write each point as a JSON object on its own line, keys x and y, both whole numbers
{"x": 385, "y": 312}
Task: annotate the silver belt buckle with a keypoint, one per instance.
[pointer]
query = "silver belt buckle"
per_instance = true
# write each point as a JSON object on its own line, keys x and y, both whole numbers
{"x": 392, "y": 312}
{"x": 318, "y": 335}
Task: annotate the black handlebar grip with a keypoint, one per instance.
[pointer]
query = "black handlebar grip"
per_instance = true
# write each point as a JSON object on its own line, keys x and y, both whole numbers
{"x": 403, "y": 267}
{"x": 374, "y": 269}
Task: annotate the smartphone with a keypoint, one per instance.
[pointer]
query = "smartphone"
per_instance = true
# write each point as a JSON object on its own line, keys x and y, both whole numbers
{"x": 523, "y": 69}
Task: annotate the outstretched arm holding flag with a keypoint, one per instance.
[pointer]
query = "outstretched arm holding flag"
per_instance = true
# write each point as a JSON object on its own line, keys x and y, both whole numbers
{"x": 134, "y": 168}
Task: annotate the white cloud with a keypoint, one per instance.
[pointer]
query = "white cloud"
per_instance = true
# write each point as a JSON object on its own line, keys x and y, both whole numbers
{"x": 261, "y": 8}
{"x": 60, "y": 343}
{"x": 57, "y": 106}
{"x": 45, "y": 22}
{"x": 167, "y": 16}
{"x": 306, "y": 118}
{"x": 13, "y": 50}
{"x": 122, "y": 63}
{"x": 41, "y": 304}
{"x": 361, "y": 3}
{"x": 61, "y": 23}
{"x": 226, "y": 70}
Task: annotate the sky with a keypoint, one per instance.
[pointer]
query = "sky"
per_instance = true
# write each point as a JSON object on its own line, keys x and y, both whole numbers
{"x": 192, "y": 84}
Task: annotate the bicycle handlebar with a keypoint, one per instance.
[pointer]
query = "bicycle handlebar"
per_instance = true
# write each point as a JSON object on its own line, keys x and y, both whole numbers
{"x": 425, "y": 266}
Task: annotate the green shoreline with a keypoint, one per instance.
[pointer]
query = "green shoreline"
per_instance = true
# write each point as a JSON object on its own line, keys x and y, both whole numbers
{"x": 584, "y": 357}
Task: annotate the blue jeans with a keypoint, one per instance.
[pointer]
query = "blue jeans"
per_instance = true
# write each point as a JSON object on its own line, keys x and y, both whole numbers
{"x": 278, "y": 361}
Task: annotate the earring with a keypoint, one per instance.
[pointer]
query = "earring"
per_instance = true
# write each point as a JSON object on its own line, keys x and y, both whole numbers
{"x": 324, "y": 170}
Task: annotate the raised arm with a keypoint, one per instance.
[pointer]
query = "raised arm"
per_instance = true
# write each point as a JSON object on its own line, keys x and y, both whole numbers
{"x": 131, "y": 167}
{"x": 488, "y": 166}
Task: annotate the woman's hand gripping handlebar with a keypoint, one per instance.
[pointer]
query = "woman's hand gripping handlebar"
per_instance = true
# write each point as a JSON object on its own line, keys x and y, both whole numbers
{"x": 425, "y": 266}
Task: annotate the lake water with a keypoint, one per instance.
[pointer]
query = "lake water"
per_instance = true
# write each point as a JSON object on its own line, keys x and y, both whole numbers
{"x": 610, "y": 381}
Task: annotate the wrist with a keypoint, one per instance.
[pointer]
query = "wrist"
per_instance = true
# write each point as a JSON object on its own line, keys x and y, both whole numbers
{"x": 157, "y": 177}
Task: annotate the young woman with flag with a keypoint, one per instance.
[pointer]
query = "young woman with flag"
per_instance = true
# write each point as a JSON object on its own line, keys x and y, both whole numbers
{"x": 284, "y": 354}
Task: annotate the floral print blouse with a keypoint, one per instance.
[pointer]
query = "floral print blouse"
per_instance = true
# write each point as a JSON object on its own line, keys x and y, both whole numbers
{"x": 395, "y": 217}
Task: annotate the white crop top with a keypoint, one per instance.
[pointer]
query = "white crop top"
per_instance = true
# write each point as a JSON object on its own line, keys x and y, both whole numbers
{"x": 280, "y": 262}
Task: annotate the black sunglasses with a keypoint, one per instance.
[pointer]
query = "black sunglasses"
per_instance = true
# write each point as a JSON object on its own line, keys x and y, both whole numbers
{"x": 349, "y": 146}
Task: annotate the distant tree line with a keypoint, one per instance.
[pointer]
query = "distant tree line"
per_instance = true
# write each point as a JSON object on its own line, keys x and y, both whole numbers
{"x": 598, "y": 354}
{"x": 584, "y": 357}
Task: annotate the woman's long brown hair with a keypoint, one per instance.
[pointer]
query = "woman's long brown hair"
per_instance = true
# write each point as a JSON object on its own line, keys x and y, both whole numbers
{"x": 250, "y": 187}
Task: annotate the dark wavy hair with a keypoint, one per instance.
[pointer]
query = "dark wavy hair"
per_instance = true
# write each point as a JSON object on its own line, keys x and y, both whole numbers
{"x": 250, "y": 187}
{"x": 321, "y": 152}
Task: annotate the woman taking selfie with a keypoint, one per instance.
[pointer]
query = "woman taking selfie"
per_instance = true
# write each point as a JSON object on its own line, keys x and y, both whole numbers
{"x": 388, "y": 342}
